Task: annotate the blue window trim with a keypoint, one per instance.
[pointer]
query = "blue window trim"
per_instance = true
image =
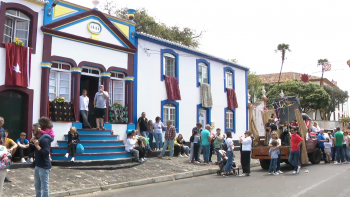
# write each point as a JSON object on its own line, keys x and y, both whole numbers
{"x": 197, "y": 69}
{"x": 134, "y": 91}
{"x": 177, "y": 110}
{"x": 208, "y": 114}
{"x": 246, "y": 92}
{"x": 162, "y": 51}
{"x": 234, "y": 120}
{"x": 233, "y": 77}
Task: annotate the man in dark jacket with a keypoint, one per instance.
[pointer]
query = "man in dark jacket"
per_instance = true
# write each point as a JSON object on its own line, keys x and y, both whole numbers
{"x": 42, "y": 162}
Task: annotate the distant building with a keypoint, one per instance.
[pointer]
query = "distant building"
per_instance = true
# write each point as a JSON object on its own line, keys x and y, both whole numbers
{"x": 273, "y": 78}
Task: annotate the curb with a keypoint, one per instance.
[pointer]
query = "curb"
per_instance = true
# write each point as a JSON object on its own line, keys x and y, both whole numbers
{"x": 159, "y": 179}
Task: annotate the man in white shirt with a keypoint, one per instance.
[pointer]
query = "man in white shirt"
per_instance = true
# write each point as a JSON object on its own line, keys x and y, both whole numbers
{"x": 84, "y": 109}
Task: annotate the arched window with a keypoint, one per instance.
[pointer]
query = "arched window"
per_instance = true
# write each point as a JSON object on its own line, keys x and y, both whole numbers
{"x": 17, "y": 25}
{"x": 60, "y": 81}
{"x": 169, "y": 64}
{"x": 117, "y": 88}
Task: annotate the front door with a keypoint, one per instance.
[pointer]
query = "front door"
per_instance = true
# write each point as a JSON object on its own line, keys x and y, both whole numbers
{"x": 12, "y": 106}
{"x": 90, "y": 84}
{"x": 202, "y": 116}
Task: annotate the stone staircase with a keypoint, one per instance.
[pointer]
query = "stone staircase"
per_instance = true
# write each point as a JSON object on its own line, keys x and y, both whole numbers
{"x": 98, "y": 145}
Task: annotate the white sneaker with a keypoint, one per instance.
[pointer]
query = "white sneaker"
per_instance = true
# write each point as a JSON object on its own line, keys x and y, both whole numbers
{"x": 280, "y": 172}
{"x": 31, "y": 160}
{"x": 196, "y": 162}
{"x": 72, "y": 160}
{"x": 276, "y": 173}
{"x": 186, "y": 156}
{"x": 336, "y": 163}
{"x": 23, "y": 160}
{"x": 180, "y": 156}
{"x": 346, "y": 162}
{"x": 294, "y": 172}
{"x": 142, "y": 160}
{"x": 145, "y": 159}
{"x": 298, "y": 170}
{"x": 67, "y": 155}
{"x": 270, "y": 173}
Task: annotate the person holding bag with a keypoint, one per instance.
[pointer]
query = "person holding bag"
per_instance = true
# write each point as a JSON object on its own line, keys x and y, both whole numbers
{"x": 73, "y": 140}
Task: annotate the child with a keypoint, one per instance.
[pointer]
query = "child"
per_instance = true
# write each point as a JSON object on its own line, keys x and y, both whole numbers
{"x": 196, "y": 145}
{"x": 46, "y": 128}
{"x": 327, "y": 147}
{"x": 285, "y": 133}
{"x": 274, "y": 152}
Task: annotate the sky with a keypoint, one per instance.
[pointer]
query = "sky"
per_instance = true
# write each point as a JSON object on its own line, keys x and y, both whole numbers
{"x": 250, "y": 30}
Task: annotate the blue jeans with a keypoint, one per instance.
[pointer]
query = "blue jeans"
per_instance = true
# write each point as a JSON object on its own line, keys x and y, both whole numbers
{"x": 159, "y": 140}
{"x": 218, "y": 155}
{"x": 339, "y": 150}
{"x": 206, "y": 152}
{"x": 151, "y": 140}
{"x": 278, "y": 164}
{"x": 229, "y": 161}
{"x": 347, "y": 153}
{"x": 166, "y": 144}
{"x": 294, "y": 159}
{"x": 41, "y": 181}
{"x": 273, "y": 165}
{"x": 146, "y": 134}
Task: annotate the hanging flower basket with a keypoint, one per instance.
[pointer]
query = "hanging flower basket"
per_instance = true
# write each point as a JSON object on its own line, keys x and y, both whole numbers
{"x": 118, "y": 114}
{"x": 61, "y": 111}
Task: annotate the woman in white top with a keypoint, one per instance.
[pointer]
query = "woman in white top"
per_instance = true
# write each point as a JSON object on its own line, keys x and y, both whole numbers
{"x": 158, "y": 135}
{"x": 346, "y": 146}
{"x": 274, "y": 136}
{"x": 315, "y": 128}
{"x": 246, "y": 142}
{"x": 229, "y": 153}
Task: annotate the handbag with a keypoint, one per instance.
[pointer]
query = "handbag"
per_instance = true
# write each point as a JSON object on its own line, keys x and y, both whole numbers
{"x": 79, "y": 149}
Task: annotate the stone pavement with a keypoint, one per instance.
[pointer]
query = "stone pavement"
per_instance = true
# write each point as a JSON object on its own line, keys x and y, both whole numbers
{"x": 67, "y": 179}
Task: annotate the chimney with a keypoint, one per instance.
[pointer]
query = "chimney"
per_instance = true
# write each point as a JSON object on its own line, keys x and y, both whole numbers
{"x": 131, "y": 14}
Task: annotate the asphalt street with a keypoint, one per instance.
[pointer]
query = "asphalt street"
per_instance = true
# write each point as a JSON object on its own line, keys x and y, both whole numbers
{"x": 322, "y": 180}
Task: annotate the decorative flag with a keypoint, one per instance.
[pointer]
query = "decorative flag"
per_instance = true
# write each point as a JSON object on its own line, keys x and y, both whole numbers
{"x": 304, "y": 78}
{"x": 18, "y": 63}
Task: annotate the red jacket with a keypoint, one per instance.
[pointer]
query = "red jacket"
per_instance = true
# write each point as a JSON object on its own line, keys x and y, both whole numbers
{"x": 295, "y": 139}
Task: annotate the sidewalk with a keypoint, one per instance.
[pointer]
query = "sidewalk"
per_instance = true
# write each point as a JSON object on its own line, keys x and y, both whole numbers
{"x": 66, "y": 180}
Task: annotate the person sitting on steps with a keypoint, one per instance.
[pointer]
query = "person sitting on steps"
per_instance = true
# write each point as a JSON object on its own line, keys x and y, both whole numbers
{"x": 23, "y": 146}
{"x": 73, "y": 140}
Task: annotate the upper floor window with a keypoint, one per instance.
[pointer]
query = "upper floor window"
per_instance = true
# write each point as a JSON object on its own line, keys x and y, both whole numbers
{"x": 202, "y": 73}
{"x": 229, "y": 79}
{"x": 169, "y": 64}
{"x": 60, "y": 81}
{"x": 169, "y": 113}
{"x": 117, "y": 88}
{"x": 16, "y": 26}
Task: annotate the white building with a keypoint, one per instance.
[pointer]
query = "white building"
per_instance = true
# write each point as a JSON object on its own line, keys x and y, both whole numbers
{"x": 186, "y": 65}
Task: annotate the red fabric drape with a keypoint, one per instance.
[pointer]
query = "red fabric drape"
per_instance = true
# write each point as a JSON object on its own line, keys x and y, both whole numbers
{"x": 18, "y": 63}
{"x": 172, "y": 88}
{"x": 231, "y": 98}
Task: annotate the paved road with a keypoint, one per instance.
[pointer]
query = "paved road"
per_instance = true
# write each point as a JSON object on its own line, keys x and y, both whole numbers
{"x": 322, "y": 180}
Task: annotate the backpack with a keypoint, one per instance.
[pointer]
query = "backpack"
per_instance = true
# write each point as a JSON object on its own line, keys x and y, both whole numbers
{"x": 224, "y": 146}
{"x": 79, "y": 149}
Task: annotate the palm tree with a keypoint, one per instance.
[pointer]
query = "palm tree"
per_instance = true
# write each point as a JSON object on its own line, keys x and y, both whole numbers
{"x": 283, "y": 48}
{"x": 325, "y": 67}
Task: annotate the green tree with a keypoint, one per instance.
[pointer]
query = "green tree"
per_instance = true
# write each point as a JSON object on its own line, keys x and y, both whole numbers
{"x": 311, "y": 95}
{"x": 283, "y": 48}
{"x": 337, "y": 97}
{"x": 254, "y": 85}
{"x": 148, "y": 24}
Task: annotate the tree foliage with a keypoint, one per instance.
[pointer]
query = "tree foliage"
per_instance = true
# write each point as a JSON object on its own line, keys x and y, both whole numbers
{"x": 283, "y": 48}
{"x": 254, "y": 85}
{"x": 184, "y": 36}
{"x": 337, "y": 97}
{"x": 311, "y": 95}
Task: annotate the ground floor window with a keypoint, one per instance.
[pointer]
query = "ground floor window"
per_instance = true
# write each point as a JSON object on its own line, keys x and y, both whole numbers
{"x": 60, "y": 81}
{"x": 169, "y": 113}
{"x": 117, "y": 88}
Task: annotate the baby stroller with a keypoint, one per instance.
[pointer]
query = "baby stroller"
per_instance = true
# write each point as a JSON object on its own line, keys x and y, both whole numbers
{"x": 223, "y": 162}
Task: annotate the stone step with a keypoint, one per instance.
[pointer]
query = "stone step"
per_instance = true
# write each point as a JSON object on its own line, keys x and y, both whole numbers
{"x": 101, "y": 149}
{"x": 91, "y": 156}
{"x": 95, "y": 137}
{"x": 94, "y": 143}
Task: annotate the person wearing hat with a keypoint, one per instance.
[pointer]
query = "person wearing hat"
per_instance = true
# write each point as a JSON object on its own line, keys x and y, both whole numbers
{"x": 23, "y": 145}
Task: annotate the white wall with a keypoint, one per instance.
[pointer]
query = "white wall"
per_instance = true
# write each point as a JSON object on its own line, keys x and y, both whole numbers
{"x": 84, "y": 52}
{"x": 120, "y": 129}
{"x": 35, "y": 79}
{"x": 60, "y": 130}
{"x": 81, "y": 29}
{"x": 151, "y": 91}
